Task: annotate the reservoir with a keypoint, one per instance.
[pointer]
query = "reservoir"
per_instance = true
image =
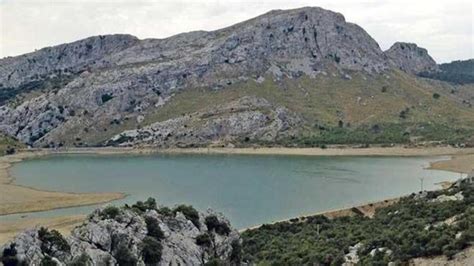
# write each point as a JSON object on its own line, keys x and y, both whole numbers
{"x": 248, "y": 189}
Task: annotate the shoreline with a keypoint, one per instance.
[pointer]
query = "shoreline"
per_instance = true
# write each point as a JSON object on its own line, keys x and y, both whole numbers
{"x": 16, "y": 199}
{"x": 37, "y": 200}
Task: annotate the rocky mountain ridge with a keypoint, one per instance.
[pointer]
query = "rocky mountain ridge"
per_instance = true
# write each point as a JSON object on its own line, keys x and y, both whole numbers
{"x": 137, "y": 235}
{"x": 101, "y": 84}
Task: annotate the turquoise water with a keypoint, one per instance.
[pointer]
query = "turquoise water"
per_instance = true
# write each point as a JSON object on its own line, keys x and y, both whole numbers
{"x": 249, "y": 189}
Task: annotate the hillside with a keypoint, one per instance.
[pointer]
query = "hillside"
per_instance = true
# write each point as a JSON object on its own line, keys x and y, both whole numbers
{"x": 302, "y": 77}
{"x": 425, "y": 224}
{"x": 459, "y": 72}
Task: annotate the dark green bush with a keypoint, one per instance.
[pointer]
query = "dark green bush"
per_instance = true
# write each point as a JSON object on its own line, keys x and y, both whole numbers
{"x": 153, "y": 228}
{"x": 213, "y": 223}
{"x": 110, "y": 212}
{"x": 52, "y": 239}
{"x": 204, "y": 240}
{"x": 124, "y": 256}
{"x": 151, "y": 250}
{"x": 190, "y": 213}
{"x": 9, "y": 256}
{"x": 149, "y": 204}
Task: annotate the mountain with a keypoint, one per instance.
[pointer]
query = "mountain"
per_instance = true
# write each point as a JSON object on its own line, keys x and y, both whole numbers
{"x": 460, "y": 72}
{"x": 288, "y": 77}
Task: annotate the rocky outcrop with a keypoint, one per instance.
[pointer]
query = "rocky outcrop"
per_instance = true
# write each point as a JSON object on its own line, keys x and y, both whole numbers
{"x": 135, "y": 235}
{"x": 254, "y": 118}
{"x": 411, "y": 58}
{"x": 93, "y": 83}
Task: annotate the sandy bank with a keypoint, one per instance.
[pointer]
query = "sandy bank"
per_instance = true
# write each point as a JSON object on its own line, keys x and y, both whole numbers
{"x": 20, "y": 199}
{"x": 332, "y": 151}
{"x": 8, "y": 229}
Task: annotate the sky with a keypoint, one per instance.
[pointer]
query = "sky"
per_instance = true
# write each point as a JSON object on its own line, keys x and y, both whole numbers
{"x": 444, "y": 27}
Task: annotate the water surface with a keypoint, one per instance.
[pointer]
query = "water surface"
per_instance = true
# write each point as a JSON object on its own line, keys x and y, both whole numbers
{"x": 249, "y": 189}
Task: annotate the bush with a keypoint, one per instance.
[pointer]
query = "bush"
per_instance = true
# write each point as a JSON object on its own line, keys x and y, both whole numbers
{"x": 204, "y": 240}
{"x": 153, "y": 228}
{"x": 124, "y": 256}
{"x": 149, "y": 204}
{"x": 236, "y": 254}
{"x": 165, "y": 211}
{"x": 52, "y": 239}
{"x": 151, "y": 250}
{"x": 9, "y": 256}
{"x": 110, "y": 212}
{"x": 436, "y": 96}
{"x": 213, "y": 223}
{"x": 190, "y": 213}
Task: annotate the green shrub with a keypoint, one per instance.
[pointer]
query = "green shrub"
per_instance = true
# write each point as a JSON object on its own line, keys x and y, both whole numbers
{"x": 9, "y": 256}
{"x": 149, "y": 204}
{"x": 165, "y": 211}
{"x": 190, "y": 213}
{"x": 52, "y": 239}
{"x": 213, "y": 223}
{"x": 204, "y": 240}
{"x": 151, "y": 250}
{"x": 436, "y": 95}
{"x": 110, "y": 212}
{"x": 124, "y": 256}
{"x": 236, "y": 254}
{"x": 153, "y": 228}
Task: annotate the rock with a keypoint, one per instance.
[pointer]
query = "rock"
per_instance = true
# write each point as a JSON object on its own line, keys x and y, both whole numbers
{"x": 456, "y": 197}
{"x": 411, "y": 58}
{"x": 248, "y": 118}
{"x": 101, "y": 239}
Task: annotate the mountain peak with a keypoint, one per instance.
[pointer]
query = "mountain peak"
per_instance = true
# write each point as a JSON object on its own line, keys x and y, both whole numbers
{"x": 411, "y": 58}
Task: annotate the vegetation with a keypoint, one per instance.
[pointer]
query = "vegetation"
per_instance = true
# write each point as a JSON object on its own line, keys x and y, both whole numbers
{"x": 9, "y": 145}
{"x": 52, "y": 241}
{"x": 9, "y": 256}
{"x": 153, "y": 228}
{"x": 460, "y": 72}
{"x": 110, "y": 212}
{"x": 190, "y": 213}
{"x": 213, "y": 224}
{"x": 151, "y": 250}
{"x": 38, "y": 85}
{"x": 414, "y": 227}
{"x": 204, "y": 240}
{"x": 124, "y": 256}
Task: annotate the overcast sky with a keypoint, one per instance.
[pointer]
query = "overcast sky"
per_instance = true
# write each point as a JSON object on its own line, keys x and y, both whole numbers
{"x": 444, "y": 27}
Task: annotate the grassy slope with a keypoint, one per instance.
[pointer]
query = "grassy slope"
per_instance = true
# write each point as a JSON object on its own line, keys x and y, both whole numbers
{"x": 360, "y": 102}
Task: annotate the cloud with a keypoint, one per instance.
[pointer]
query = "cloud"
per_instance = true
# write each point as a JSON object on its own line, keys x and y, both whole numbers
{"x": 444, "y": 27}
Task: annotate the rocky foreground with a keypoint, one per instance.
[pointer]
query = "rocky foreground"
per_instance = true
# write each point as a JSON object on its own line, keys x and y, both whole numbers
{"x": 141, "y": 234}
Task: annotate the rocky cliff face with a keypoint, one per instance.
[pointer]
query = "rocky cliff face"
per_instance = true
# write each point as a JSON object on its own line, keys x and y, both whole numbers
{"x": 130, "y": 236}
{"x": 98, "y": 83}
{"x": 411, "y": 58}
